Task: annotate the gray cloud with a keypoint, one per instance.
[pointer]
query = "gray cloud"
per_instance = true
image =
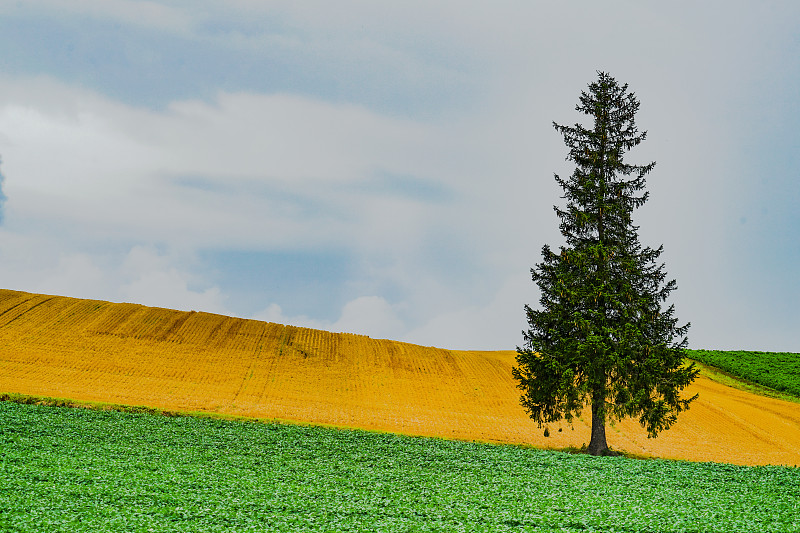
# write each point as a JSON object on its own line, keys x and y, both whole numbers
{"x": 410, "y": 147}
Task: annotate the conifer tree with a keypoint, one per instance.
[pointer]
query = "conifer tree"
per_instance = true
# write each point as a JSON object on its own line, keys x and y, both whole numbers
{"x": 601, "y": 336}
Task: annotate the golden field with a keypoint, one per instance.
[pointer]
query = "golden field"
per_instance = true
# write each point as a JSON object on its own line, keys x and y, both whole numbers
{"x": 96, "y": 351}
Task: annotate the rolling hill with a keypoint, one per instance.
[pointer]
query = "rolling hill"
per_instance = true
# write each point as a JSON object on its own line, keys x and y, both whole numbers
{"x": 128, "y": 354}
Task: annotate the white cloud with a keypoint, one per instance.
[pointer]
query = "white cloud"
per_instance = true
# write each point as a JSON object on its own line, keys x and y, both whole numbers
{"x": 78, "y": 154}
{"x": 495, "y": 325}
{"x": 79, "y": 273}
{"x": 156, "y": 279}
{"x": 254, "y": 171}
{"x": 273, "y": 313}
{"x": 79, "y": 158}
{"x": 44, "y": 263}
{"x": 283, "y": 137}
{"x": 372, "y": 315}
{"x": 89, "y": 179}
{"x": 365, "y": 315}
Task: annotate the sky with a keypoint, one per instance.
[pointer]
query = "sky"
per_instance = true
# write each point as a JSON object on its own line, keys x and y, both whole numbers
{"x": 388, "y": 169}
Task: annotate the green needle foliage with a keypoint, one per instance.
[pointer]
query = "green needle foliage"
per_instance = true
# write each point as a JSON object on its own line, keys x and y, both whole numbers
{"x": 601, "y": 336}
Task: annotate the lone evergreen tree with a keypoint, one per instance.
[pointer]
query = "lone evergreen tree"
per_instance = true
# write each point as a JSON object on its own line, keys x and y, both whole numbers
{"x": 601, "y": 336}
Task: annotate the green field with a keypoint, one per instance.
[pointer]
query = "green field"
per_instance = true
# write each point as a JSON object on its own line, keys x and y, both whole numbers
{"x": 779, "y": 371}
{"x": 66, "y": 469}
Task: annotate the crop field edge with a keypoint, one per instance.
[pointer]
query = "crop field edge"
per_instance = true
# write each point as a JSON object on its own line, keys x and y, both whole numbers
{"x": 171, "y": 362}
{"x": 47, "y": 401}
{"x": 179, "y": 475}
{"x": 737, "y": 382}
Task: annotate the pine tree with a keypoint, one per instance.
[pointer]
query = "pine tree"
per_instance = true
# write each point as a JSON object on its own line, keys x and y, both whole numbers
{"x": 601, "y": 336}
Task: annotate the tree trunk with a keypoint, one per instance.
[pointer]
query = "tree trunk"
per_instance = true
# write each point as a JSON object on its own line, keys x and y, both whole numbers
{"x": 598, "y": 444}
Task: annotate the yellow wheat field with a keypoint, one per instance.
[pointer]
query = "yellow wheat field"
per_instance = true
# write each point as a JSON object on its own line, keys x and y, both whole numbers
{"x": 128, "y": 354}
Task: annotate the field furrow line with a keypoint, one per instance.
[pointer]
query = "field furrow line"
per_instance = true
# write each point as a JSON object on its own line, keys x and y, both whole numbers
{"x": 176, "y": 360}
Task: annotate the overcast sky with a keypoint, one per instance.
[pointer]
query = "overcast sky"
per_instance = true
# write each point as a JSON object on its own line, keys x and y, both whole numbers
{"x": 385, "y": 170}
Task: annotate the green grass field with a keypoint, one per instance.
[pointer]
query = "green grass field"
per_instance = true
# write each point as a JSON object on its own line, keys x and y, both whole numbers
{"x": 778, "y": 371}
{"x": 66, "y": 469}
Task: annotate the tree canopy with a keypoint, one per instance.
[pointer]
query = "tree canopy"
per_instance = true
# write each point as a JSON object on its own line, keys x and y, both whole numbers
{"x": 602, "y": 335}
